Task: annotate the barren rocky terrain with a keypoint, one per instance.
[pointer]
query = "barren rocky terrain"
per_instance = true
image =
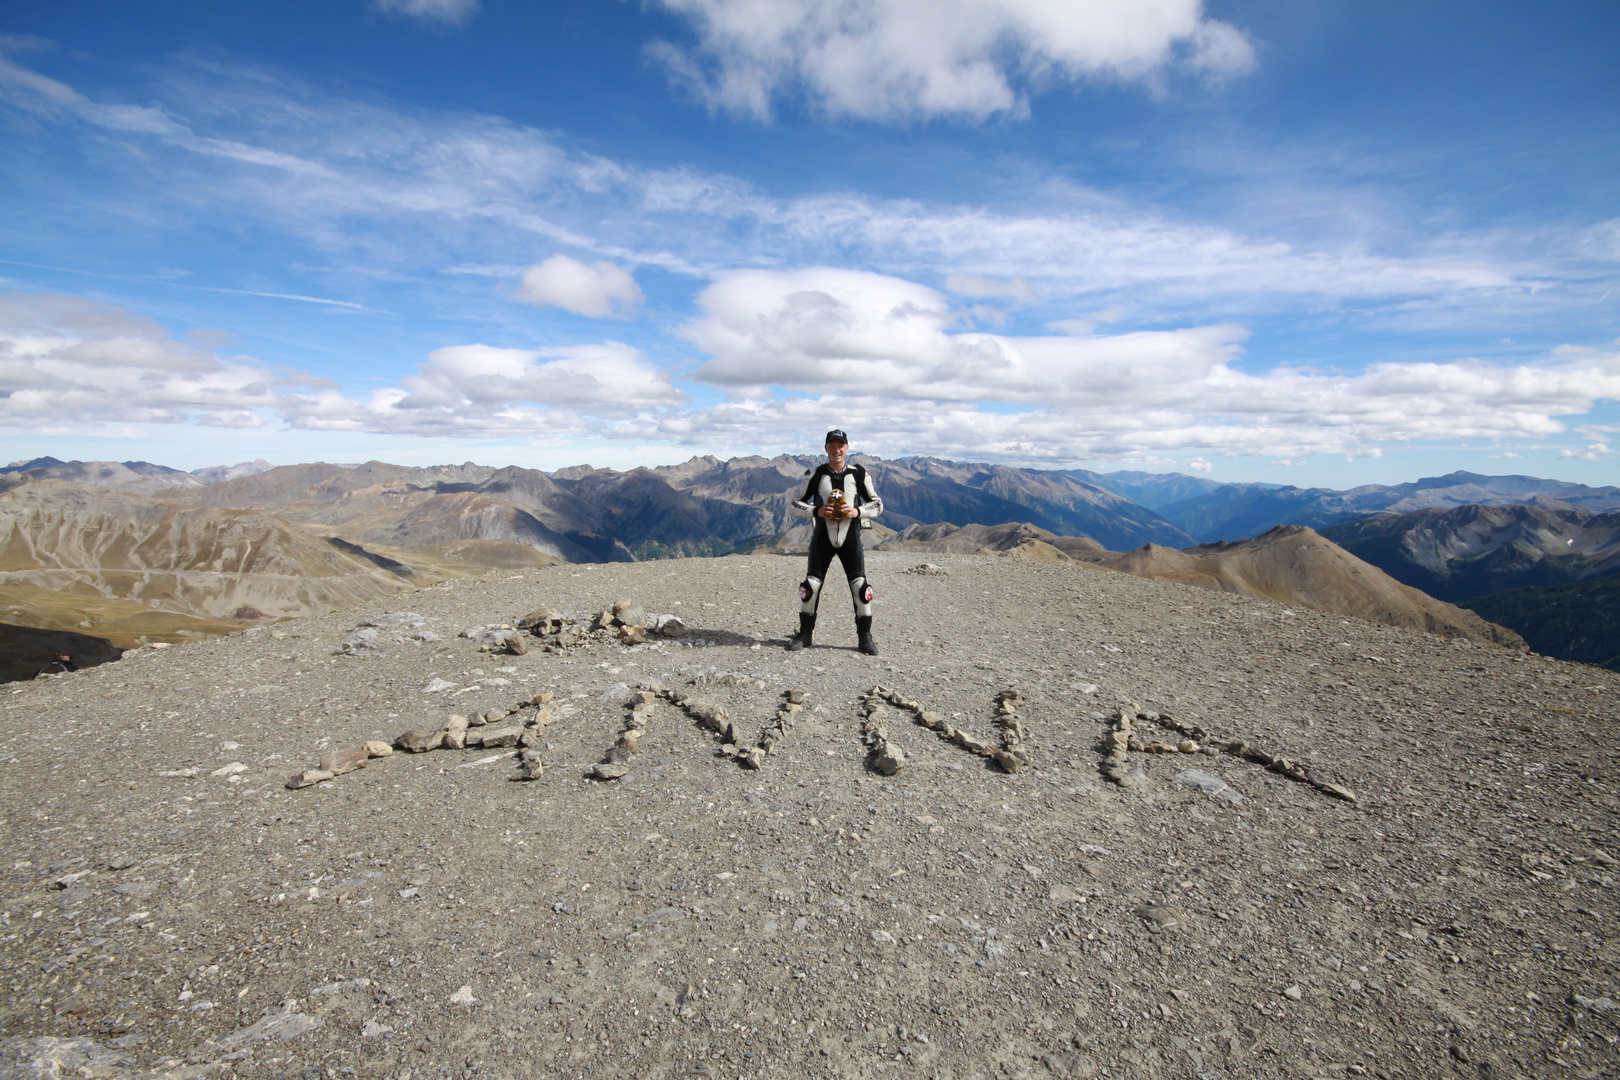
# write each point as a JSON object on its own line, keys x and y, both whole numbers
{"x": 171, "y": 908}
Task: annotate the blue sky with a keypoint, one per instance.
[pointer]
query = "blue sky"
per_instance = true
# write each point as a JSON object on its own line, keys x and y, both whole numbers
{"x": 1326, "y": 244}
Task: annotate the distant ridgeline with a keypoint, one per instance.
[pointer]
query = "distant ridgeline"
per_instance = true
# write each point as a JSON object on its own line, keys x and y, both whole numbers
{"x": 397, "y": 527}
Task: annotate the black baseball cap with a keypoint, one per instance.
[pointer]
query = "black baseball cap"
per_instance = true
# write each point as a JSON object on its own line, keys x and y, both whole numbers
{"x": 836, "y": 435}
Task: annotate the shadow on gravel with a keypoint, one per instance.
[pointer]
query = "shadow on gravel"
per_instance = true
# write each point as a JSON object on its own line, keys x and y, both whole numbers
{"x": 729, "y": 637}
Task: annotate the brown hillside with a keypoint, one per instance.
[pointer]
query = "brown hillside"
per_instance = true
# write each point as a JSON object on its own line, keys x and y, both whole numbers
{"x": 1295, "y": 565}
{"x": 1019, "y": 538}
{"x": 210, "y": 564}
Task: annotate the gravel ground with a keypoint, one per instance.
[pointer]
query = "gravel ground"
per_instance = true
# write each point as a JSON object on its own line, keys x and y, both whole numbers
{"x": 428, "y": 916}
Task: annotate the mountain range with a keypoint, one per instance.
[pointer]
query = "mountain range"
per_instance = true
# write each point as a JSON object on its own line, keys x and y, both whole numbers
{"x": 139, "y": 476}
{"x": 1456, "y": 537}
{"x": 1234, "y": 511}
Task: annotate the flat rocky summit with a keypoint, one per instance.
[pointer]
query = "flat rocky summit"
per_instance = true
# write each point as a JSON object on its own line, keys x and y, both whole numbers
{"x": 1070, "y": 823}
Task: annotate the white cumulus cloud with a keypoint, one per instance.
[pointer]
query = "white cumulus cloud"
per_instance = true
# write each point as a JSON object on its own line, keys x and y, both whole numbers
{"x": 598, "y": 291}
{"x": 481, "y": 390}
{"x": 889, "y": 354}
{"x": 901, "y": 59}
{"x": 67, "y": 360}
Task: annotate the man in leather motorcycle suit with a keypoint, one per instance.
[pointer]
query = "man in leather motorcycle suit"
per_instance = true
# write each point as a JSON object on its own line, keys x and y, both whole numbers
{"x": 838, "y": 496}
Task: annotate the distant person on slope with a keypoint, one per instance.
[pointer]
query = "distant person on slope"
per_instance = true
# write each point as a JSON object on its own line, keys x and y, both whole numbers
{"x": 841, "y": 499}
{"x": 59, "y": 666}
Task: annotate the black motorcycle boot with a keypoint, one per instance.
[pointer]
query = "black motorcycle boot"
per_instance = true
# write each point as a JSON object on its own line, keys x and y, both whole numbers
{"x": 807, "y": 628}
{"x": 863, "y": 631}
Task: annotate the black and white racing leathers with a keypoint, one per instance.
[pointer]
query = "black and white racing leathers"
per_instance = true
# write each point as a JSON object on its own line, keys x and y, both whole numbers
{"x": 841, "y": 538}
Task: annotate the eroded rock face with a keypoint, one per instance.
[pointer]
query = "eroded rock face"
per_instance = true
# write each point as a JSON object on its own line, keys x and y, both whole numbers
{"x": 209, "y": 564}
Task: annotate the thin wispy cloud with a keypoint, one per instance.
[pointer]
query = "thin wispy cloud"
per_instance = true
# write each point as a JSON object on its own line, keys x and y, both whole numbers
{"x": 440, "y": 12}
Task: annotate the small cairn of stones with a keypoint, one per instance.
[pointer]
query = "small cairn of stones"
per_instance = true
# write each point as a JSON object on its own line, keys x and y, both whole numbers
{"x": 617, "y": 761}
{"x": 929, "y": 569}
{"x": 626, "y": 622}
{"x": 483, "y": 729}
{"x": 1122, "y": 739}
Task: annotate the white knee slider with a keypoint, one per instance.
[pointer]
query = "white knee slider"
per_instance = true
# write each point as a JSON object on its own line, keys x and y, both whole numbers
{"x": 862, "y": 592}
{"x": 809, "y": 595}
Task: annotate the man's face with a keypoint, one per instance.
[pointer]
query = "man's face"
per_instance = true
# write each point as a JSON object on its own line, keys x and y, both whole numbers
{"x": 836, "y": 453}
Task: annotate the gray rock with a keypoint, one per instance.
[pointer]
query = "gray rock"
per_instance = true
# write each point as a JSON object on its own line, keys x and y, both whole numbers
{"x": 308, "y": 778}
{"x": 538, "y": 620}
{"x": 344, "y": 760}
{"x": 1597, "y": 1004}
{"x": 711, "y": 714}
{"x": 497, "y": 738}
{"x": 396, "y": 620}
{"x": 420, "y": 742}
{"x": 378, "y": 748}
{"x": 888, "y": 759}
{"x": 670, "y": 626}
{"x": 284, "y": 1025}
{"x": 529, "y": 765}
{"x": 48, "y": 1058}
{"x": 629, "y": 613}
{"x": 360, "y": 641}
{"x": 1210, "y": 784}
{"x": 517, "y": 644}
{"x": 606, "y": 771}
{"x": 455, "y": 732}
